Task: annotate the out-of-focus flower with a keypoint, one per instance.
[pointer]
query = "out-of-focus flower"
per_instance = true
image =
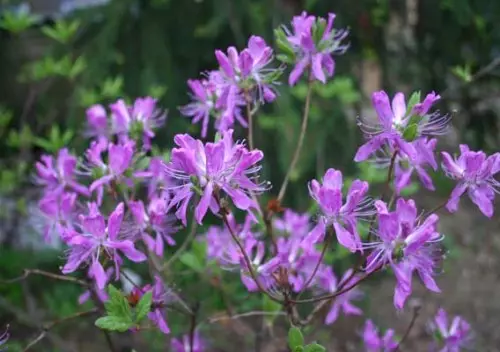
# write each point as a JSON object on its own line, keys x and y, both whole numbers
{"x": 184, "y": 344}
{"x": 475, "y": 173}
{"x": 313, "y": 42}
{"x": 407, "y": 244}
{"x": 452, "y": 337}
{"x": 342, "y": 303}
{"x": 99, "y": 237}
{"x": 61, "y": 176}
{"x": 141, "y": 119}
{"x": 342, "y": 216}
{"x": 376, "y": 343}
{"x": 210, "y": 168}
{"x": 153, "y": 218}
{"x": 399, "y": 125}
{"x": 58, "y": 209}
{"x": 4, "y": 337}
{"x": 97, "y": 120}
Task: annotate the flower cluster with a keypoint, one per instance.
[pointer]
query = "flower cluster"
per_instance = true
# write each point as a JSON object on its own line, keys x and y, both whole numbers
{"x": 243, "y": 78}
{"x": 118, "y": 204}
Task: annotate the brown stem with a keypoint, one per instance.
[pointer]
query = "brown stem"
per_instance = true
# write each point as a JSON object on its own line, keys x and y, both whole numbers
{"x": 338, "y": 292}
{"x": 318, "y": 264}
{"x": 435, "y": 209}
{"x": 298, "y": 148}
{"x": 183, "y": 247}
{"x": 249, "y": 120}
{"x": 192, "y": 329}
{"x": 242, "y": 250}
{"x": 389, "y": 175}
{"x": 28, "y": 272}
{"x": 416, "y": 311}
{"x": 47, "y": 326}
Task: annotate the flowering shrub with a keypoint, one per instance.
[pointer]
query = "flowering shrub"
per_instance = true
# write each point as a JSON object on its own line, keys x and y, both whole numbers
{"x": 118, "y": 207}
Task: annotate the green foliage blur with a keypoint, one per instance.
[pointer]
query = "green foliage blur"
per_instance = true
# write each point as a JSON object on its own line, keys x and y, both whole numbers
{"x": 53, "y": 67}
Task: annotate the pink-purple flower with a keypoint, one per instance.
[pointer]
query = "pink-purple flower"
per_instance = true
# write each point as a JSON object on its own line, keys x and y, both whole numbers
{"x": 408, "y": 244}
{"x": 475, "y": 174}
{"x": 329, "y": 282}
{"x": 184, "y": 344}
{"x": 98, "y": 237}
{"x": 314, "y": 42}
{"x": 161, "y": 297}
{"x": 140, "y": 119}
{"x": 58, "y": 209}
{"x": 374, "y": 342}
{"x": 59, "y": 175}
{"x": 210, "y": 169}
{"x": 153, "y": 218}
{"x": 454, "y": 335}
{"x": 4, "y": 337}
{"x": 399, "y": 125}
{"x": 334, "y": 212}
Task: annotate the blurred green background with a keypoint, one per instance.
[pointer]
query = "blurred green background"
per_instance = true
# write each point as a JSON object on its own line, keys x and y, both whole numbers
{"x": 63, "y": 56}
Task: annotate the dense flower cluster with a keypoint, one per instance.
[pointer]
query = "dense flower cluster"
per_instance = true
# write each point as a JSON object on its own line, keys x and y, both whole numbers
{"x": 118, "y": 204}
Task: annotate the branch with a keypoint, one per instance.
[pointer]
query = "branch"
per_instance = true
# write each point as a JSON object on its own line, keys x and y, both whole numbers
{"x": 303, "y": 130}
{"x": 249, "y": 120}
{"x": 28, "y": 272}
{"x": 183, "y": 247}
{"x": 47, "y": 326}
{"x": 338, "y": 292}
{"x": 416, "y": 311}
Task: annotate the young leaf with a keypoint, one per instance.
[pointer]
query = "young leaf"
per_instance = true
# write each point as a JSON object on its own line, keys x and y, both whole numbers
{"x": 143, "y": 307}
{"x": 117, "y": 305}
{"x": 192, "y": 261}
{"x": 314, "y": 347}
{"x": 295, "y": 338}
{"x": 414, "y": 99}
{"x": 113, "y": 323}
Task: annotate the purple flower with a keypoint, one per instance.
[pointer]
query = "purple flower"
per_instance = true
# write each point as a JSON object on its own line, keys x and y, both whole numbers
{"x": 376, "y": 343}
{"x": 329, "y": 282}
{"x": 296, "y": 225}
{"x": 314, "y": 42}
{"x": 58, "y": 210}
{"x": 475, "y": 173}
{"x": 140, "y": 119}
{"x": 184, "y": 344}
{"x": 453, "y": 337}
{"x": 101, "y": 293}
{"x": 404, "y": 167}
{"x": 407, "y": 244}
{"x": 155, "y": 218}
{"x": 60, "y": 176}
{"x": 212, "y": 167}
{"x": 155, "y": 176}
{"x": 161, "y": 297}
{"x": 203, "y": 103}
{"x": 343, "y": 217}
{"x": 99, "y": 237}
{"x": 119, "y": 160}
{"x": 400, "y": 125}
{"x": 97, "y": 120}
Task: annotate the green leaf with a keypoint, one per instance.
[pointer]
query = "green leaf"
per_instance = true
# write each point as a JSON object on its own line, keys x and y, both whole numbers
{"x": 410, "y": 132}
{"x": 298, "y": 349}
{"x": 143, "y": 307}
{"x": 295, "y": 338}
{"x": 192, "y": 261}
{"x": 113, "y": 323}
{"x": 414, "y": 99}
{"x": 17, "y": 22}
{"x": 117, "y": 305}
{"x": 318, "y": 30}
{"x": 62, "y": 31}
{"x": 314, "y": 347}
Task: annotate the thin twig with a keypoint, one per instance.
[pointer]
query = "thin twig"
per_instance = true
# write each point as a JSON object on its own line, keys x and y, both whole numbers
{"x": 298, "y": 148}
{"x": 189, "y": 238}
{"x": 249, "y": 120}
{"x": 338, "y": 292}
{"x": 435, "y": 209}
{"x": 244, "y": 315}
{"x": 318, "y": 264}
{"x": 47, "y": 326}
{"x": 416, "y": 311}
{"x": 192, "y": 330}
{"x": 482, "y": 72}
{"x": 28, "y": 272}
{"x": 242, "y": 250}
